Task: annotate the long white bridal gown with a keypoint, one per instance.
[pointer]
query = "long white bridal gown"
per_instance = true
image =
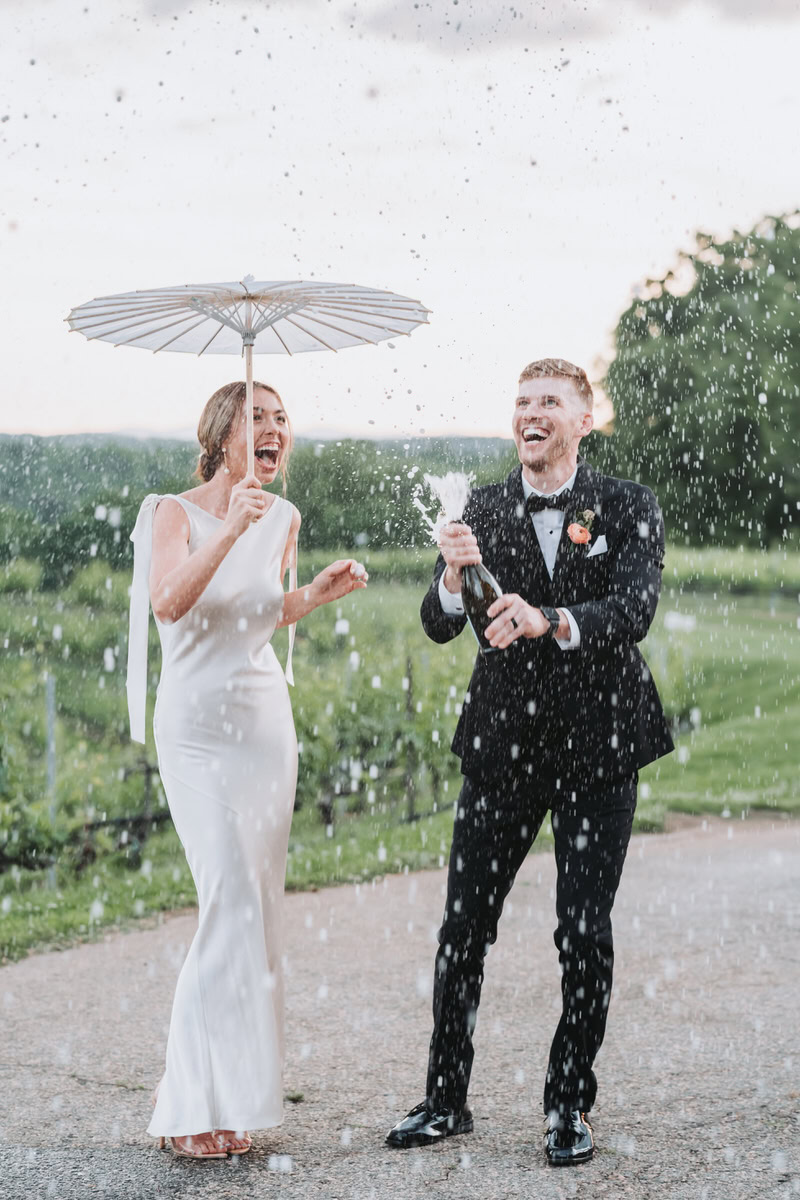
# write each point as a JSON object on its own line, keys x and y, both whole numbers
{"x": 227, "y": 754}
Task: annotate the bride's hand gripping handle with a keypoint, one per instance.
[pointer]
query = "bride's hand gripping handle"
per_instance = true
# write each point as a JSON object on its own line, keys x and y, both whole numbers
{"x": 247, "y": 504}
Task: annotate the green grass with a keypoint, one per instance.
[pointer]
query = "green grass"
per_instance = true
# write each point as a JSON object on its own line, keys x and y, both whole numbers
{"x": 741, "y": 572}
{"x": 687, "y": 568}
{"x": 110, "y": 894}
{"x": 38, "y": 914}
{"x": 732, "y": 681}
{"x": 735, "y": 679}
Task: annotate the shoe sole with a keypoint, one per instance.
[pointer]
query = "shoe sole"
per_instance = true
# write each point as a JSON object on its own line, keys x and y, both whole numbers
{"x": 574, "y": 1161}
{"x": 423, "y": 1139}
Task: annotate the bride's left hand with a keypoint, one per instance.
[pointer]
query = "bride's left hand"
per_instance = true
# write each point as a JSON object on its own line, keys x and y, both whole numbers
{"x": 339, "y": 579}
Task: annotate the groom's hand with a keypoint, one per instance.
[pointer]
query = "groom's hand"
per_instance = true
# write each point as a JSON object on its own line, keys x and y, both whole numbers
{"x": 459, "y": 548}
{"x": 513, "y": 618}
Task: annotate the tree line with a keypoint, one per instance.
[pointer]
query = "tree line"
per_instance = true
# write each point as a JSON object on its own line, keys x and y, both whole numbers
{"x": 66, "y": 502}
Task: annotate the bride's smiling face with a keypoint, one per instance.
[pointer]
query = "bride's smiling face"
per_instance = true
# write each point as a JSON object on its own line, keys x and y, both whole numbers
{"x": 271, "y": 438}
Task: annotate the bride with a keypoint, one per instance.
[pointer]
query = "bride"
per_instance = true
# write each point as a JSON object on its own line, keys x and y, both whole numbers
{"x": 215, "y": 558}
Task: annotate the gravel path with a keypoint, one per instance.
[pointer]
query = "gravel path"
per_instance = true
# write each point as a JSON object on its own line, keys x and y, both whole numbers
{"x": 699, "y": 1076}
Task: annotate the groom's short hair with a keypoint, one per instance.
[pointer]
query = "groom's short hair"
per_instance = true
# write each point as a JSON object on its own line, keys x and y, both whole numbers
{"x": 559, "y": 368}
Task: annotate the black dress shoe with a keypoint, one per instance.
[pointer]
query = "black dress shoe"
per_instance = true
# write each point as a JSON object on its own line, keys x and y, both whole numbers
{"x": 423, "y": 1127}
{"x": 568, "y": 1140}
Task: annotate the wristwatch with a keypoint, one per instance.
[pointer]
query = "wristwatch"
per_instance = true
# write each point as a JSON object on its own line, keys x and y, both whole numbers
{"x": 552, "y": 616}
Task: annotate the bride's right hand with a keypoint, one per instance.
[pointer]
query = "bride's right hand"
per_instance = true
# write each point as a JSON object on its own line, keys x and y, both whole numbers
{"x": 338, "y": 580}
{"x": 246, "y": 506}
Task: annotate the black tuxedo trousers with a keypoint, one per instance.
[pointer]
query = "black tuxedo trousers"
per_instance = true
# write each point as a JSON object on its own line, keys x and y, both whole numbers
{"x": 496, "y": 822}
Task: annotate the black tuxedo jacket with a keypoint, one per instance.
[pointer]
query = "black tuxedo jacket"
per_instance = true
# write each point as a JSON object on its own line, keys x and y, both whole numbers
{"x": 584, "y": 714}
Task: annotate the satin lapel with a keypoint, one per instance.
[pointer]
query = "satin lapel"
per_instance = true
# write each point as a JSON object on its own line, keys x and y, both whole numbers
{"x": 536, "y": 586}
{"x": 570, "y": 557}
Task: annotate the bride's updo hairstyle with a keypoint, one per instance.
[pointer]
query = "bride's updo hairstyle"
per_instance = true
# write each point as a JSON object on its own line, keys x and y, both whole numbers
{"x": 216, "y": 424}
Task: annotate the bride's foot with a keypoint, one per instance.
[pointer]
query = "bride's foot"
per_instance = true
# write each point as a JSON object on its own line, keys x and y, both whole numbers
{"x": 235, "y": 1143}
{"x": 199, "y": 1145}
{"x": 218, "y": 1144}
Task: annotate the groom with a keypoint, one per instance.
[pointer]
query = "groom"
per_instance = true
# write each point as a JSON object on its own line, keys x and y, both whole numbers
{"x": 559, "y": 718}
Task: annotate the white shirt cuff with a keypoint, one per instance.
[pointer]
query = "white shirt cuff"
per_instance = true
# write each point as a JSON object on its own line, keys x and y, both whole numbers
{"x": 450, "y": 601}
{"x": 574, "y": 639}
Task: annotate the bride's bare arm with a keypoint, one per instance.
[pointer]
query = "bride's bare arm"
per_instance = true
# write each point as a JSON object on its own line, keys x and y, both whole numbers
{"x": 178, "y": 578}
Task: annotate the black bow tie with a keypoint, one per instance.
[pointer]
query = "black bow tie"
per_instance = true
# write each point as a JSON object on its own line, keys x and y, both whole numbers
{"x": 535, "y": 504}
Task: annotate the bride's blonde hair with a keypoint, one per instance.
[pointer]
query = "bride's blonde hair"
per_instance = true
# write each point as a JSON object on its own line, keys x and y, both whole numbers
{"x": 217, "y": 420}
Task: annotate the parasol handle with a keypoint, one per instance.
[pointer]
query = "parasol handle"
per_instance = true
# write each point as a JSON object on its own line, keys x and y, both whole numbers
{"x": 248, "y": 359}
{"x": 248, "y": 337}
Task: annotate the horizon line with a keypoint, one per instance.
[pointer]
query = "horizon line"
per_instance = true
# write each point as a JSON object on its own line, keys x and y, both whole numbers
{"x": 322, "y": 436}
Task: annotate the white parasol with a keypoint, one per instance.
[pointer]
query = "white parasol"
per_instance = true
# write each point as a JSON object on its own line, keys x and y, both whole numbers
{"x": 265, "y": 318}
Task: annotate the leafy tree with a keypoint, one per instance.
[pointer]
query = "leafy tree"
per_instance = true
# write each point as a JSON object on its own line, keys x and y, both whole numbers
{"x": 705, "y": 385}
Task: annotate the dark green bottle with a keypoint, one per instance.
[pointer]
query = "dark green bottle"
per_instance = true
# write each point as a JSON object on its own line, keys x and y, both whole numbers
{"x": 479, "y": 590}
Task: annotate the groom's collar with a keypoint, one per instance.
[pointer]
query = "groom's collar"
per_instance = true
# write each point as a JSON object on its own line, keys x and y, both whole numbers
{"x": 581, "y": 482}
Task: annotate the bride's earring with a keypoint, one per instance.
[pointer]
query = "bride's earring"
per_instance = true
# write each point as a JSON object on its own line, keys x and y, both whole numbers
{"x": 225, "y": 469}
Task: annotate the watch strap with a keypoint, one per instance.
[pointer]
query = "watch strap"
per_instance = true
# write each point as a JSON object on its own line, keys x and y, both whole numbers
{"x": 552, "y": 616}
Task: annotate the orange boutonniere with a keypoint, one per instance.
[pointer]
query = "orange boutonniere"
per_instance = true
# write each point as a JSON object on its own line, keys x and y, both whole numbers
{"x": 580, "y": 531}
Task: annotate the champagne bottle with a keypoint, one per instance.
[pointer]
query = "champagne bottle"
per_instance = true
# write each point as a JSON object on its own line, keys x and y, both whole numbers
{"x": 479, "y": 590}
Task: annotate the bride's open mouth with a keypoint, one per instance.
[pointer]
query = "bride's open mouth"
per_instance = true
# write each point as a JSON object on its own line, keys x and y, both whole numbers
{"x": 268, "y": 455}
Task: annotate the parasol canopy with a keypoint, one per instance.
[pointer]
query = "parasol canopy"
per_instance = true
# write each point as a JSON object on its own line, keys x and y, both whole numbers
{"x": 274, "y": 318}
{"x": 285, "y": 317}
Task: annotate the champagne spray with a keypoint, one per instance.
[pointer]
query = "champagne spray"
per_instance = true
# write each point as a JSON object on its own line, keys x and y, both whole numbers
{"x": 479, "y": 588}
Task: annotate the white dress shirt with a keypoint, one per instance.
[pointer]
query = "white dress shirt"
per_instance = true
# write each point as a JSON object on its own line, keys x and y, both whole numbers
{"x": 547, "y": 525}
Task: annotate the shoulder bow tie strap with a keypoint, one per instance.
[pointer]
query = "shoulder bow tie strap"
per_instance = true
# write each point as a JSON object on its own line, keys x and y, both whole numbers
{"x": 292, "y": 588}
{"x": 536, "y": 503}
{"x": 142, "y": 538}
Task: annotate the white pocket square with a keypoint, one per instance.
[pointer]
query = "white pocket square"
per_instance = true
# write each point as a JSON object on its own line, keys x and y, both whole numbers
{"x": 599, "y": 547}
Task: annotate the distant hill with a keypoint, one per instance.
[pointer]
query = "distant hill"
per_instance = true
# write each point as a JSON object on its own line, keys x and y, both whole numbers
{"x": 50, "y": 477}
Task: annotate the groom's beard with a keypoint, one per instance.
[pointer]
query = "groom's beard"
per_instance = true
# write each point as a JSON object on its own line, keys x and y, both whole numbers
{"x": 545, "y": 464}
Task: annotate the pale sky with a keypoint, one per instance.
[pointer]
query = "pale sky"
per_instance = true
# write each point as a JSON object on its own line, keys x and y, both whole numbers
{"x": 520, "y": 169}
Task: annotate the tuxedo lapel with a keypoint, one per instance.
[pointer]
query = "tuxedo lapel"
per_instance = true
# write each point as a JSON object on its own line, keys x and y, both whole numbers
{"x": 571, "y": 555}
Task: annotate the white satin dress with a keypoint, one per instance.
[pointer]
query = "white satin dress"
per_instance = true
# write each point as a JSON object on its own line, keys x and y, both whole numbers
{"x": 227, "y": 754}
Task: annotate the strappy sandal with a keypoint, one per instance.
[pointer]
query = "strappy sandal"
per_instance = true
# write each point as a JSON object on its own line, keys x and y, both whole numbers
{"x": 248, "y": 1145}
{"x": 182, "y": 1152}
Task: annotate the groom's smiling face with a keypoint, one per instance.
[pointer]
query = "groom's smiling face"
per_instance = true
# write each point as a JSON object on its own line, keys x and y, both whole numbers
{"x": 550, "y": 418}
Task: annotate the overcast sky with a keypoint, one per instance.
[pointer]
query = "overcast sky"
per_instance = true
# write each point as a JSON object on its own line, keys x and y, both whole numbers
{"x": 517, "y": 168}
